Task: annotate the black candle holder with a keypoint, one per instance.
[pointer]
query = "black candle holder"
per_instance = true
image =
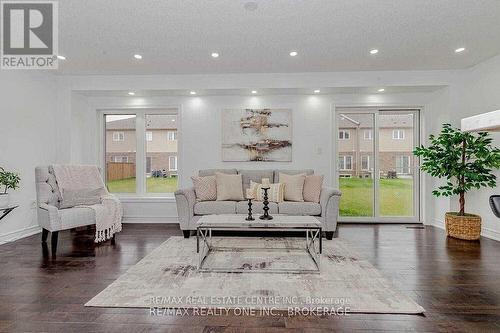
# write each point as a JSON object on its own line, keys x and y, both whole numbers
{"x": 249, "y": 217}
{"x": 266, "y": 215}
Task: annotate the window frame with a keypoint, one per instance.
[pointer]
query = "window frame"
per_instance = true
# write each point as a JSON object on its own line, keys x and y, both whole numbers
{"x": 402, "y": 169}
{"x": 170, "y": 164}
{"x": 120, "y": 136}
{"x": 398, "y": 136}
{"x": 367, "y": 163}
{"x": 140, "y": 130}
{"x": 342, "y": 166}
{"x": 149, "y": 136}
{"x": 174, "y": 134}
{"x": 344, "y": 132}
{"x": 370, "y": 137}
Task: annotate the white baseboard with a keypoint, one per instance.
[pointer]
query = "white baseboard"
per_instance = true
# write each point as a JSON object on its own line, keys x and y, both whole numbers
{"x": 18, "y": 234}
{"x": 151, "y": 219}
{"x": 485, "y": 232}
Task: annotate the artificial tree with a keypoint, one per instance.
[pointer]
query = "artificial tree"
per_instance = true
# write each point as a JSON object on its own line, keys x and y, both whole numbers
{"x": 465, "y": 160}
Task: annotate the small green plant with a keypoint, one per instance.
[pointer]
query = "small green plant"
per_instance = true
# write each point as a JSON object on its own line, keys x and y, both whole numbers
{"x": 466, "y": 160}
{"x": 9, "y": 180}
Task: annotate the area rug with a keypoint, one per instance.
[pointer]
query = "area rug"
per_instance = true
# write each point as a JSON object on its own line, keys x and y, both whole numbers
{"x": 168, "y": 278}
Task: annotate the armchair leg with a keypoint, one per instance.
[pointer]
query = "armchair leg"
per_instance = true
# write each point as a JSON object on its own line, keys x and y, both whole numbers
{"x": 329, "y": 235}
{"x": 186, "y": 233}
{"x": 53, "y": 241}
{"x": 45, "y": 234}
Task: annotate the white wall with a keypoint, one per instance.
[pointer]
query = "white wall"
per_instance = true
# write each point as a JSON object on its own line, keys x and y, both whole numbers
{"x": 27, "y": 139}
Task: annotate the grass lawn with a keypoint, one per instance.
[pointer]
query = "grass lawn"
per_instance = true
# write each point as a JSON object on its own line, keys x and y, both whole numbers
{"x": 396, "y": 197}
{"x": 153, "y": 185}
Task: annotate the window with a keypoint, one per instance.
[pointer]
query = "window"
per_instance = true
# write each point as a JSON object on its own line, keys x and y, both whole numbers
{"x": 344, "y": 134}
{"x": 345, "y": 162}
{"x": 171, "y": 136}
{"x": 367, "y": 134}
{"x": 365, "y": 162}
{"x": 118, "y": 136}
{"x": 120, "y": 159}
{"x": 403, "y": 164}
{"x": 398, "y": 134}
{"x": 172, "y": 163}
{"x": 120, "y": 151}
{"x": 140, "y": 151}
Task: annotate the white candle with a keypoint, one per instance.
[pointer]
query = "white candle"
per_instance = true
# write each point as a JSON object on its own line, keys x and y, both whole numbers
{"x": 249, "y": 194}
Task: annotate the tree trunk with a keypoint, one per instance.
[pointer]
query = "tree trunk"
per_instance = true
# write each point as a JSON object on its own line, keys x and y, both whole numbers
{"x": 462, "y": 182}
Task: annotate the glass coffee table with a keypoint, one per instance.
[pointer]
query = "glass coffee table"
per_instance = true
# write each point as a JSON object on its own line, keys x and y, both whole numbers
{"x": 235, "y": 247}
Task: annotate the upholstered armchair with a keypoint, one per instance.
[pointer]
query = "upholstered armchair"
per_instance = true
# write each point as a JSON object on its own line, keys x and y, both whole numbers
{"x": 50, "y": 217}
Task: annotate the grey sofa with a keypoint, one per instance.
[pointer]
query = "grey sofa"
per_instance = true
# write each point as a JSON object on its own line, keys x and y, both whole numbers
{"x": 190, "y": 210}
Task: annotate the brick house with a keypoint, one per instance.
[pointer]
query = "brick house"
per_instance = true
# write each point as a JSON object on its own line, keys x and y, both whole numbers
{"x": 355, "y": 144}
{"x": 161, "y": 143}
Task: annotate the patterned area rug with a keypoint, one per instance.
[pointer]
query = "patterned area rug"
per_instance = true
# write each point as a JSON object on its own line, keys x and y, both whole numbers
{"x": 168, "y": 278}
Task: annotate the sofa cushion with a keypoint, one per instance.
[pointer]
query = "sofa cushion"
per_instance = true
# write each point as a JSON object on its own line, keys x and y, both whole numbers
{"x": 229, "y": 187}
{"x": 205, "y": 188}
{"x": 312, "y": 188}
{"x": 255, "y": 176}
{"x": 299, "y": 208}
{"x": 212, "y": 172}
{"x": 294, "y": 186}
{"x": 76, "y": 217}
{"x": 215, "y": 207}
{"x": 308, "y": 172}
{"x": 257, "y": 207}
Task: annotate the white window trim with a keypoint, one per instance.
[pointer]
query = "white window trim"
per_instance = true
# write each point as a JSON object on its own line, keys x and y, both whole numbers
{"x": 344, "y": 132}
{"x": 367, "y": 163}
{"x": 173, "y": 133}
{"x": 403, "y": 170}
{"x": 398, "y": 134}
{"x": 170, "y": 164}
{"x": 118, "y": 136}
{"x": 344, "y": 162}
{"x": 370, "y": 136}
{"x": 140, "y": 112}
{"x": 149, "y": 136}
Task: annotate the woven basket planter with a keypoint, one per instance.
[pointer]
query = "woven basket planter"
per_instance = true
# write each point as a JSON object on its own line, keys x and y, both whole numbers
{"x": 467, "y": 227}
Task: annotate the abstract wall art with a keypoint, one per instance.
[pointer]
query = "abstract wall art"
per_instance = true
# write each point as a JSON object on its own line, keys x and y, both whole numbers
{"x": 257, "y": 135}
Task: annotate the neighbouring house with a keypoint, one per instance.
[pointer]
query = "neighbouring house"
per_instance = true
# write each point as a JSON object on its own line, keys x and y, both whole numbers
{"x": 161, "y": 144}
{"x": 355, "y": 144}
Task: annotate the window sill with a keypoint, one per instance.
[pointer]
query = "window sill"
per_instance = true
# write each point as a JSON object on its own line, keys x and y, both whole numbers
{"x": 146, "y": 198}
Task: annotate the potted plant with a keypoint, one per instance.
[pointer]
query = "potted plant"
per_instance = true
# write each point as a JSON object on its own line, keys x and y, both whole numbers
{"x": 466, "y": 161}
{"x": 8, "y": 180}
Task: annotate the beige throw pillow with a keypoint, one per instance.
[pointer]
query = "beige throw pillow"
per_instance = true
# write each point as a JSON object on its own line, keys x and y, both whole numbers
{"x": 205, "y": 188}
{"x": 229, "y": 187}
{"x": 275, "y": 193}
{"x": 312, "y": 188}
{"x": 294, "y": 185}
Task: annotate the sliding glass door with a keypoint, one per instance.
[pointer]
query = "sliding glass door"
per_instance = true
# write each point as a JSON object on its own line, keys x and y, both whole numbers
{"x": 376, "y": 170}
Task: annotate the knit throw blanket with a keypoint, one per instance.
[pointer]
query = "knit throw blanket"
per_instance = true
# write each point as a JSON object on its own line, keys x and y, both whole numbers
{"x": 82, "y": 186}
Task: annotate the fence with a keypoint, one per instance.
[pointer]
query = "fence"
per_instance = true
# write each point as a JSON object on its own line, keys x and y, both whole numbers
{"x": 117, "y": 171}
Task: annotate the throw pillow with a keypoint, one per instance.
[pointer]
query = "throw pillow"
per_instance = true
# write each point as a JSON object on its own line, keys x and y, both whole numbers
{"x": 229, "y": 187}
{"x": 275, "y": 193}
{"x": 81, "y": 197}
{"x": 312, "y": 188}
{"x": 205, "y": 188}
{"x": 294, "y": 186}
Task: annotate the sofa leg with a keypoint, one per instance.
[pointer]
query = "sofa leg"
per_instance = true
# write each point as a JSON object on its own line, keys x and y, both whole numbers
{"x": 53, "y": 241}
{"x": 186, "y": 233}
{"x": 329, "y": 235}
{"x": 45, "y": 234}
{"x": 113, "y": 240}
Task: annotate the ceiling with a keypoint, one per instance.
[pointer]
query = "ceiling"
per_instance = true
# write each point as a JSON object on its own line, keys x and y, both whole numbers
{"x": 261, "y": 91}
{"x": 178, "y": 36}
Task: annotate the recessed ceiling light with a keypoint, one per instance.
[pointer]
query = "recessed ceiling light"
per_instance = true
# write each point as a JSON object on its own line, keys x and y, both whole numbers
{"x": 381, "y": 90}
{"x": 374, "y": 51}
{"x": 460, "y": 49}
{"x": 137, "y": 56}
{"x": 192, "y": 92}
{"x": 293, "y": 53}
{"x": 173, "y": 119}
{"x": 60, "y": 57}
{"x": 317, "y": 91}
{"x": 254, "y": 91}
{"x": 215, "y": 55}
{"x": 131, "y": 93}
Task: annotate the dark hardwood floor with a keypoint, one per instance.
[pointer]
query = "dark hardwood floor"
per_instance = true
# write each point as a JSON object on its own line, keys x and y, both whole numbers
{"x": 457, "y": 282}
